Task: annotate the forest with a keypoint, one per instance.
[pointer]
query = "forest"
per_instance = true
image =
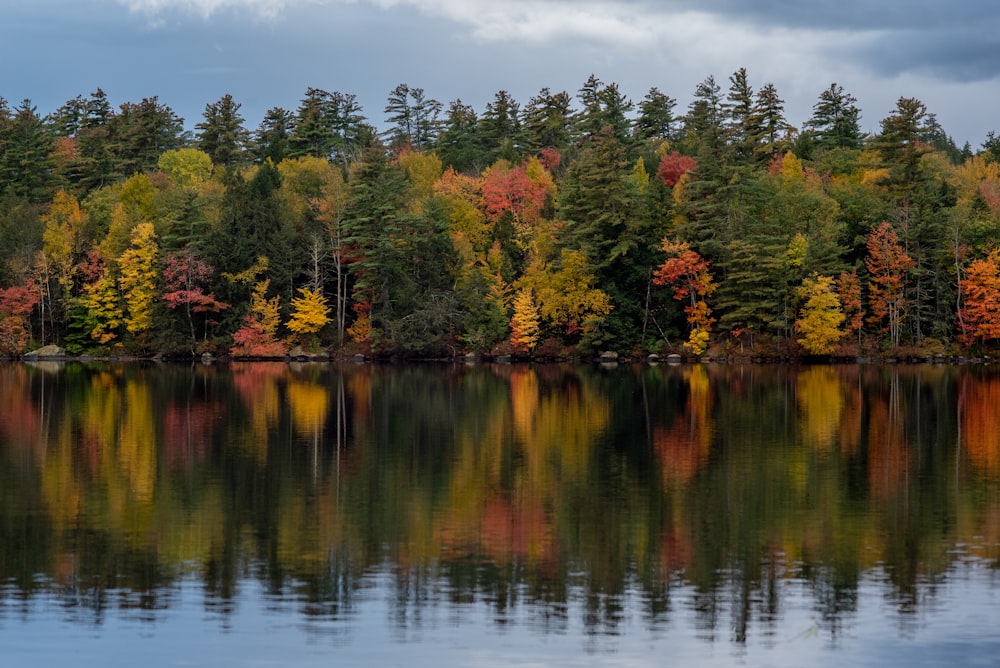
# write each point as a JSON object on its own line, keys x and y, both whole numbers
{"x": 566, "y": 226}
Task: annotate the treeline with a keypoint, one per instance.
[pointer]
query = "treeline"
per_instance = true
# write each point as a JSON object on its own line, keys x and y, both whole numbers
{"x": 569, "y": 224}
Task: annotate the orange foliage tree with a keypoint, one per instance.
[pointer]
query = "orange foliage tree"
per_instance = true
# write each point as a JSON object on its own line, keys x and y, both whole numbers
{"x": 687, "y": 272}
{"x": 980, "y": 312}
{"x": 888, "y": 264}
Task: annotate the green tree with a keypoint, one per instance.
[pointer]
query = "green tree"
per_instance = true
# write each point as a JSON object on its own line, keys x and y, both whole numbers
{"x": 656, "y": 119}
{"x": 25, "y": 149}
{"x": 141, "y": 132}
{"x": 271, "y": 140}
{"x": 500, "y": 131}
{"x": 458, "y": 143}
{"x": 547, "y": 121}
{"x": 836, "y": 120}
{"x": 221, "y": 133}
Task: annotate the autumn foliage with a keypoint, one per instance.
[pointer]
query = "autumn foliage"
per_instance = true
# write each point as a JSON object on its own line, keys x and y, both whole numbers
{"x": 688, "y": 273}
{"x": 16, "y": 304}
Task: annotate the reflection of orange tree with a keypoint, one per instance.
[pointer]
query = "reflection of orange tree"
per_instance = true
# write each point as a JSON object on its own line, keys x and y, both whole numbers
{"x": 257, "y": 384}
{"x": 888, "y": 452}
{"x": 684, "y": 447}
{"x": 19, "y": 423}
{"x": 511, "y": 514}
{"x": 979, "y": 400}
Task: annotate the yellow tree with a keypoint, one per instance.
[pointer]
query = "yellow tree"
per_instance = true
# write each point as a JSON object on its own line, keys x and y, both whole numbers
{"x": 257, "y": 337}
{"x": 821, "y": 316}
{"x": 138, "y": 278}
{"x": 568, "y": 297}
{"x": 63, "y": 239}
{"x": 310, "y": 312}
{"x": 102, "y": 303}
{"x": 524, "y": 324}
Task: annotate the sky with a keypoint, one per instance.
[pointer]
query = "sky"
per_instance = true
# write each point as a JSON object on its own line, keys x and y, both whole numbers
{"x": 267, "y": 53}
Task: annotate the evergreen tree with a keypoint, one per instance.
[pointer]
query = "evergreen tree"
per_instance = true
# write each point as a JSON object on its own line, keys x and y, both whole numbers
{"x": 656, "y": 118}
{"x": 458, "y": 145}
{"x": 221, "y": 134}
{"x": 25, "y": 150}
{"x": 547, "y": 121}
{"x": 768, "y": 121}
{"x": 500, "y": 129}
{"x": 836, "y": 119}
{"x": 271, "y": 140}
{"x": 603, "y": 105}
{"x": 312, "y": 133}
{"x": 141, "y": 132}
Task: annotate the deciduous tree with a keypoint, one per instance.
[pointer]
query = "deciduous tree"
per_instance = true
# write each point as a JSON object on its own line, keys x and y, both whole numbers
{"x": 820, "y": 317}
{"x": 887, "y": 263}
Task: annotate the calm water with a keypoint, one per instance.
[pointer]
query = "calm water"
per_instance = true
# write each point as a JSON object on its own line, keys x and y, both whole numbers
{"x": 267, "y": 514}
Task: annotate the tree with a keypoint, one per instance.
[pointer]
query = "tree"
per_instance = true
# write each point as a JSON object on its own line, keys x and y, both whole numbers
{"x": 101, "y": 308}
{"x": 768, "y": 121}
{"x": 138, "y": 265}
{"x": 567, "y": 295}
{"x": 688, "y": 273}
{"x": 673, "y": 166}
{"x": 980, "y": 313}
{"x": 310, "y": 312}
{"x": 458, "y": 143}
{"x": 525, "y": 322}
{"x": 141, "y": 132}
{"x": 221, "y": 134}
{"x": 258, "y": 336}
{"x": 186, "y": 277}
{"x": 500, "y": 132}
{"x": 821, "y": 316}
{"x": 849, "y": 290}
{"x": 656, "y": 118}
{"x": 187, "y": 168}
{"x": 271, "y": 140}
{"x": 547, "y": 121}
{"x": 836, "y": 119}
{"x": 887, "y": 265}
{"x": 64, "y": 238}
{"x": 25, "y": 150}
{"x": 16, "y": 304}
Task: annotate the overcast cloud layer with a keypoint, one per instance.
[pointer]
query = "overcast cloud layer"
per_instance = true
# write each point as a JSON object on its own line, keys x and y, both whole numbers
{"x": 267, "y": 52}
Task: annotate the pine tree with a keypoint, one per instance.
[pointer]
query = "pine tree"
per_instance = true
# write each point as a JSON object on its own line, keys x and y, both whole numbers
{"x": 221, "y": 134}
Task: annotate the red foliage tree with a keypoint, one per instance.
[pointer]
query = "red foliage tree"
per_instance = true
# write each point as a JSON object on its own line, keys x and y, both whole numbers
{"x": 510, "y": 190}
{"x": 16, "y": 304}
{"x": 673, "y": 166}
{"x": 185, "y": 277}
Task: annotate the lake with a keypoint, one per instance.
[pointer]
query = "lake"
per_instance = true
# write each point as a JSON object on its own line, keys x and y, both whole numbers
{"x": 499, "y": 515}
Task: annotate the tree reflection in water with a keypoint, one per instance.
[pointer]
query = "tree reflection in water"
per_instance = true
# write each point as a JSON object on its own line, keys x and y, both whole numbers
{"x": 705, "y": 496}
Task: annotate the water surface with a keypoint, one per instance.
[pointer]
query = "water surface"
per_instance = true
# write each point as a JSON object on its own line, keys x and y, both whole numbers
{"x": 274, "y": 514}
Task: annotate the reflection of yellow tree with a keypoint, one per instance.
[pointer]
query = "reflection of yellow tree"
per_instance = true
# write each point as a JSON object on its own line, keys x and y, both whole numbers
{"x": 136, "y": 441}
{"x": 821, "y": 404}
{"x": 308, "y": 405}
